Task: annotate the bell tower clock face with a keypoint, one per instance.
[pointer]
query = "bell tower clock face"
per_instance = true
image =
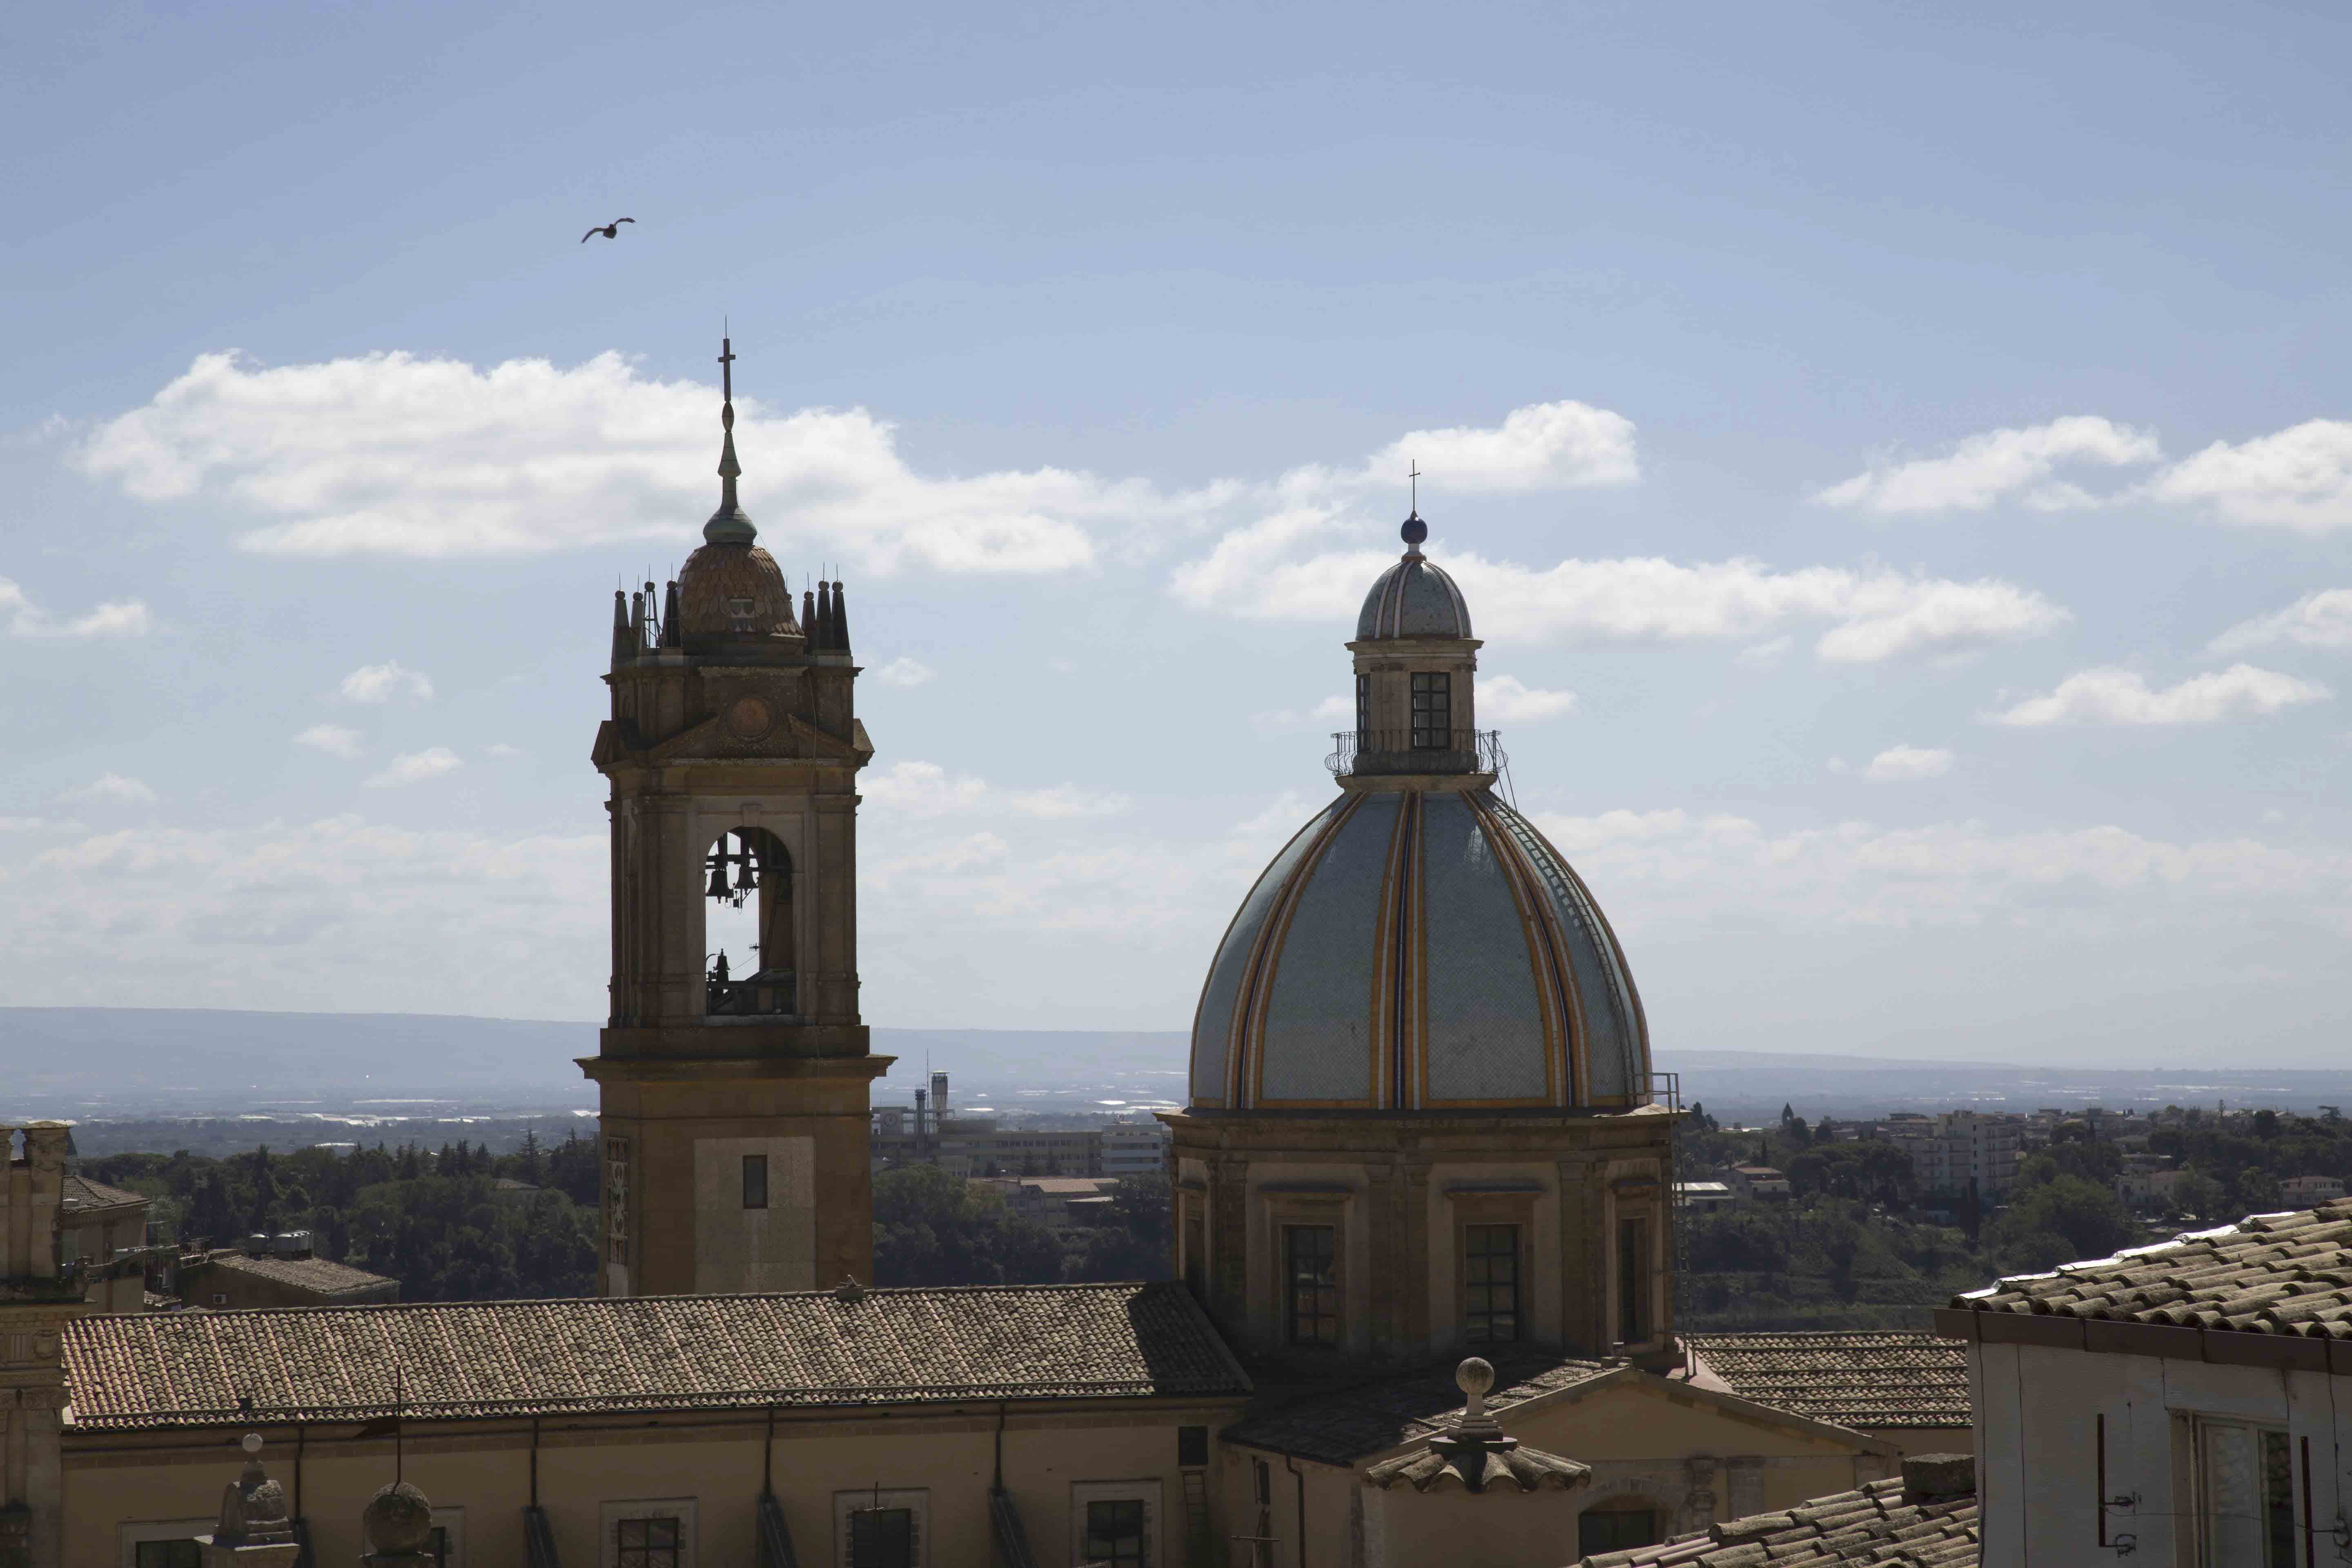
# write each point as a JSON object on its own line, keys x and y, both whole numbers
{"x": 749, "y": 718}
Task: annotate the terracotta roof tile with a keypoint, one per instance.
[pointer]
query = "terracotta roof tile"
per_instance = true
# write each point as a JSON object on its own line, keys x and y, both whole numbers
{"x": 2269, "y": 1273}
{"x": 321, "y": 1275}
{"x": 1894, "y": 1378}
{"x": 674, "y": 1352}
{"x": 1874, "y": 1525}
{"x": 83, "y": 1192}
{"x": 1340, "y": 1425}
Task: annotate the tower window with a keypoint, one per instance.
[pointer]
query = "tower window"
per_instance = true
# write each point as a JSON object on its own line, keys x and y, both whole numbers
{"x": 1363, "y": 703}
{"x": 1310, "y": 1259}
{"x": 1490, "y": 1281}
{"x": 755, "y": 1181}
{"x": 1433, "y": 713}
{"x": 1633, "y": 1280}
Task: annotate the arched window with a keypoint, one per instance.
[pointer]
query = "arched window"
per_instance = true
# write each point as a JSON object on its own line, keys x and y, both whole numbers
{"x": 749, "y": 940}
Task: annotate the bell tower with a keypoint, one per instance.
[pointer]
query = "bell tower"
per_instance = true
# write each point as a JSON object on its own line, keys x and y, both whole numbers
{"x": 733, "y": 1086}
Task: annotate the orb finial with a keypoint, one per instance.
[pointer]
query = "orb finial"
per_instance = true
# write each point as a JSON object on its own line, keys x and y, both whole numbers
{"x": 1473, "y": 1377}
{"x": 1414, "y": 531}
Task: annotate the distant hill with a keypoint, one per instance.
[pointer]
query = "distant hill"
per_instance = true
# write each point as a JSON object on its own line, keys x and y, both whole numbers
{"x": 112, "y": 1060}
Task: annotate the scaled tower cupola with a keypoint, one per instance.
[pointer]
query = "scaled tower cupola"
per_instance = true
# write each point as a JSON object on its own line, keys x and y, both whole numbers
{"x": 1421, "y": 1116}
{"x": 734, "y": 1085}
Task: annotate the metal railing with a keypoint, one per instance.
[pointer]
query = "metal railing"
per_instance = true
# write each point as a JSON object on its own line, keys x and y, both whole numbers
{"x": 768, "y": 994}
{"x": 1358, "y": 752}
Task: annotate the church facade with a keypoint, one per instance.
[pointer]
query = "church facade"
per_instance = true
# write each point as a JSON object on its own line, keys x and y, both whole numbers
{"x": 1422, "y": 1124}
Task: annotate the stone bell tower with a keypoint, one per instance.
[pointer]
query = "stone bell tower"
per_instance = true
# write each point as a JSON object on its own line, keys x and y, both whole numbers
{"x": 733, "y": 1088}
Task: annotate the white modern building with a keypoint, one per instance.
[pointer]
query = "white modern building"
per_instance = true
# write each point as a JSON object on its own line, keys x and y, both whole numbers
{"x": 2187, "y": 1403}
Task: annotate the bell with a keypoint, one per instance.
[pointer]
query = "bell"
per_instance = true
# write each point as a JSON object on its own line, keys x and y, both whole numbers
{"x": 718, "y": 889}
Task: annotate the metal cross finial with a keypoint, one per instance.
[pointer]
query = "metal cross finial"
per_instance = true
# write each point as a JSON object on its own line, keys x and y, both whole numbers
{"x": 727, "y": 372}
{"x": 1415, "y": 477}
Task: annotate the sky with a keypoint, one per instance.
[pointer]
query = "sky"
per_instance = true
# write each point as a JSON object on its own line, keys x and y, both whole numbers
{"x": 1898, "y": 459}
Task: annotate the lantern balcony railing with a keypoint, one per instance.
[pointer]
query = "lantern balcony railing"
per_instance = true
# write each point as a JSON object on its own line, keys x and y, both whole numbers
{"x": 766, "y": 994}
{"x": 1357, "y": 753}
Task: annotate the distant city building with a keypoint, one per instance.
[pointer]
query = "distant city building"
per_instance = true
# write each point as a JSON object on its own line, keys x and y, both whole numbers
{"x": 2311, "y": 1189}
{"x": 1134, "y": 1150}
{"x": 1702, "y": 1196}
{"x": 1960, "y": 1150}
{"x": 1757, "y": 1181}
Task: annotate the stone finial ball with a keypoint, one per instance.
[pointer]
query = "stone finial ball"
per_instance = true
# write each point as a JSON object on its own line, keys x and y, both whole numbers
{"x": 250, "y": 1442}
{"x": 397, "y": 1519}
{"x": 1474, "y": 1377}
{"x": 1414, "y": 531}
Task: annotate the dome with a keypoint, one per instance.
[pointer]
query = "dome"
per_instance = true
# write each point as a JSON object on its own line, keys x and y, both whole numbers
{"x": 730, "y": 589}
{"x": 1413, "y": 599}
{"x": 1419, "y": 950}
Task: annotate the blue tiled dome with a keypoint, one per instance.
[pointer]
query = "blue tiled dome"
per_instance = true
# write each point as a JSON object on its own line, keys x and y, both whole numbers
{"x": 1413, "y": 599}
{"x": 1411, "y": 951}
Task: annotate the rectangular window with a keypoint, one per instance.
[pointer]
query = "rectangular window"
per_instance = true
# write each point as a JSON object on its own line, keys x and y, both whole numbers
{"x": 1310, "y": 1263}
{"x": 755, "y": 1181}
{"x": 1615, "y": 1529}
{"x": 1114, "y": 1533}
{"x": 168, "y": 1553}
{"x": 1196, "y": 1252}
{"x": 658, "y": 1541}
{"x": 882, "y": 1538}
{"x": 1490, "y": 1282}
{"x": 1633, "y": 1280}
{"x": 881, "y": 1529}
{"x": 1363, "y": 705}
{"x": 1191, "y": 1447}
{"x": 2245, "y": 1497}
{"x": 1433, "y": 713}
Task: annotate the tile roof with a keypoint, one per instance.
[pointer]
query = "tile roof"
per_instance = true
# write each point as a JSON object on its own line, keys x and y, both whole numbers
{"x": 471, "y": 1358}
{"x": 1875, "y": 1524}
{"x": 2267, "y": 1274}
{"x": 1340, "y": 1425}
{"x": 1892, "y": 1378}
{"x": 81, "y": 1191}
{"x": 318, "y": 1273}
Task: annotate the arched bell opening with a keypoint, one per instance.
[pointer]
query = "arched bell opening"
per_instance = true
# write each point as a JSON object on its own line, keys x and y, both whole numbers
{"x": 747, "y": 935}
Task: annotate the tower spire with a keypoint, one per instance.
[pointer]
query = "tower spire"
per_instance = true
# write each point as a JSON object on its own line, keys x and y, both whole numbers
{"x": 728, "y": 525}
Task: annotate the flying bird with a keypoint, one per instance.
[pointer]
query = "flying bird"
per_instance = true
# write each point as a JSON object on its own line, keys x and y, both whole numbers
{"x": 609, "y": 230}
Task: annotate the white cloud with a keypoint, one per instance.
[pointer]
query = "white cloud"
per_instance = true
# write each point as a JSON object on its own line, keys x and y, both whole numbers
{"x": 113, "y": 618}
{"x": 1690, "y": 871}
{"x": 904, "y": 671}
{"x": 1997, "y": 466}
{"x": 500, "y": 750}
{"x": 416, "y": 768}
{"x": 383, "y": 682}
{"x": 925, "y": 790}
{"x": 37, "y": 825}
{"x": 2316, "y": 620}
{"x": 1543, "y": 447}
{"x": 396, "y": 454}
{"x": 335, "y": 739}
{"x": 1261, "y": 571}
{"x": 113, "y": 789}
{"x": 1505, "y": 699}
{"x": 1901, "y": 764}
{"x": 2123, "y": 697}
{"x": 335, "y": 915}
{"x": 2299, "y": 477}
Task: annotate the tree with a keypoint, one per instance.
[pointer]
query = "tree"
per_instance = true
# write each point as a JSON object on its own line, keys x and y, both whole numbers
{"x": 2087, "y": 1219}
{"x": 1139, "y": 1241}
{"x": 934, "y": 1229}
